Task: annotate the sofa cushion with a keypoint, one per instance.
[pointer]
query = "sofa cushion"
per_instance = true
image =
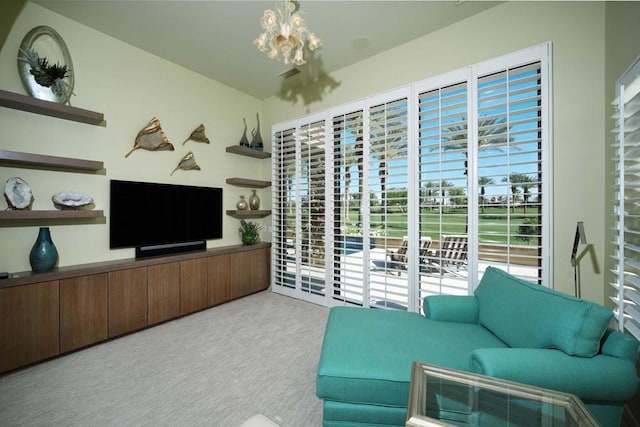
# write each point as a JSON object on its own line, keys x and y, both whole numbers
{"x": 367, "y": 354}
{"x": 528, "y": 315}
{"x": 451, "y": 308}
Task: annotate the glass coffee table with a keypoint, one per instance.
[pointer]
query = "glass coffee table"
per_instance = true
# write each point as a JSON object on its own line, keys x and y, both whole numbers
{"x": 448, "y": 397}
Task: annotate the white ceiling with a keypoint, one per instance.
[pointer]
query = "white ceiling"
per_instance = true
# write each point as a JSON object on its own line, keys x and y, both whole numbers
{"x": 215, "y": 38}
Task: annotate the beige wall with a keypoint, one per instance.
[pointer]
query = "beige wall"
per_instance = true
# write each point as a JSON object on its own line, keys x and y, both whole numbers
{"x": 129, "y": 86}
{"x": 576, "y": 30}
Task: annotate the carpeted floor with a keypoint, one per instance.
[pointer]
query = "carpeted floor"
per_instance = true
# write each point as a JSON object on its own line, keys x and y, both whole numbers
{"x": 218, "y": 367}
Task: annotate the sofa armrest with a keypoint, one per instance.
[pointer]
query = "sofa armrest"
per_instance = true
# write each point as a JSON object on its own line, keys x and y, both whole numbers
{"x": 451, "y": 308}
{"x": 620, "y": 345}
{"x": 601, "y": 378}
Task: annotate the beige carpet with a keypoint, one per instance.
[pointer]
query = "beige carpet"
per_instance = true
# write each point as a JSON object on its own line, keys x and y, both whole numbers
{"x": 256, "y": 355}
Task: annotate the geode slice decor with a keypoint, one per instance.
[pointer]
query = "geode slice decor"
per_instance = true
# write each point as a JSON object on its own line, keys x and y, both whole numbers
{"x": 198, "y": 135}
{"x": 17, "y": 193}
{"x": 71, "y": 200}
{"x": 187, "y": 163}
{"x": 151, "y": 138}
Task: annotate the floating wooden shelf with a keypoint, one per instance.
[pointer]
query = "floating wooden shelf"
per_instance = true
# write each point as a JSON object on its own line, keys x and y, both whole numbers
{"x": 48, "y": 108}
{"x": 251, "y": 183}
{"x": 53, "y": 214}
{"x": 248, "y": 214}
{"x": 25, "y": 159}
{"x": 244, "y": 151}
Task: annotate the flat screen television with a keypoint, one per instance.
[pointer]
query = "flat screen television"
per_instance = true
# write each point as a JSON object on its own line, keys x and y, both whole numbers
{"x": 163, "y": 218}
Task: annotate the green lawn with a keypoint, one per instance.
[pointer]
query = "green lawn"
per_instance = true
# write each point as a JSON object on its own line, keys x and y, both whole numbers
{"x": 493, "y": 224}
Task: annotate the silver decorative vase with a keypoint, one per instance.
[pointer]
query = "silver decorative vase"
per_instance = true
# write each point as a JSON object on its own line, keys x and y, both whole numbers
{"x": 242, "y": 204}
{"x": 254, "y": 201}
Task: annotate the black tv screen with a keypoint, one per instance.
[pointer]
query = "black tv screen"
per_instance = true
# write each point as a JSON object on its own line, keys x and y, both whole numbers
{"x": 147, "y": 214}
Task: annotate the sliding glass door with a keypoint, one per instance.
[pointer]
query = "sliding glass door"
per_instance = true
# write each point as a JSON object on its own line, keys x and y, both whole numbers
{"x": 416, "y": 191}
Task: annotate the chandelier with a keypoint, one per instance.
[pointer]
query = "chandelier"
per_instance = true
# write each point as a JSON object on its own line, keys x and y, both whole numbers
{"x": 285, "y": 34}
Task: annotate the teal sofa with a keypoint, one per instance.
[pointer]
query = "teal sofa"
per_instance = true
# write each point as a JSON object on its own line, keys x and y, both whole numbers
{"x": 509, "y": 328}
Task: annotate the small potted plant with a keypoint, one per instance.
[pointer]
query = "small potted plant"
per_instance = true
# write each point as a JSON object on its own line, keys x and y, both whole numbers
{"x": 250, "y": 232}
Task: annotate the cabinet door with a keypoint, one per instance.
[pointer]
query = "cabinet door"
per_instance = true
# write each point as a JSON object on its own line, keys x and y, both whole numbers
{"x": 240, "y": 274}
{"x": 193, "y": 285}
{"x": 127, "y": 300}
{"x": 249, "y": 272}
{"x": 219, "y": 279}
{"x": 261, "y": 270}
{"x": 163, "y": 283}
{"x": 29, "y": 324}
{"x": 83, "y": 311}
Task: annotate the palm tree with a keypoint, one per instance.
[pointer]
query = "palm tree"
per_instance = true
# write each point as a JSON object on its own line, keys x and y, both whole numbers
{"x": 427, "y": 193}
{"x": 393, "y": 147}
{"x": 349, "y": 157}
{"x": 482, "y": 182}
{"x": 525, "y": 182}
{"x": 359, "y": 161}
{"x": 491, "y": 134}
{"x": 518, "y": 179}
{"x": 347, "y": 184}
{"x": 445, "y": 186}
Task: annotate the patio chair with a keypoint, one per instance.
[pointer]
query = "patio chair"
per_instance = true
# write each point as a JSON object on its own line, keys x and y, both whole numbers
{"x": 452, "y": 252}
{"x": 398, "y": 257}
{"x": 425, "y": 244}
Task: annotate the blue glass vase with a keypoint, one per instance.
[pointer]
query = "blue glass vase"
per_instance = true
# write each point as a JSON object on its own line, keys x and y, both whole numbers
{"x": 44, "y": 255}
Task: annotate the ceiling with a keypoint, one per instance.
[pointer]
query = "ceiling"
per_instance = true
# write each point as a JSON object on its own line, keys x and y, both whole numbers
{"x": 215, "y": 38}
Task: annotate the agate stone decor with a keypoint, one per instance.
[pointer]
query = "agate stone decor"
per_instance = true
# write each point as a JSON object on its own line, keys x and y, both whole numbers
{"x": 71, "y": 200}
{"x": 17, "y": 193}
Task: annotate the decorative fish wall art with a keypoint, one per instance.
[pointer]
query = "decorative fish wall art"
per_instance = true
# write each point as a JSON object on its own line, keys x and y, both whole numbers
{"x": 187, "y": 163}
{"x": 151, "y": 138}
{"x": 198, "y": 135}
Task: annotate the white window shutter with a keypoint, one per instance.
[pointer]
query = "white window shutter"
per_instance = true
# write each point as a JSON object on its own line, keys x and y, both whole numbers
{"x": 377, "y": 202}
{"x": 627, "y": 208}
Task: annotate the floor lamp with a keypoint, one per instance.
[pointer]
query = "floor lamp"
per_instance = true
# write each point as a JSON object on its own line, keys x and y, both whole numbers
{"x": 580, "y": 237}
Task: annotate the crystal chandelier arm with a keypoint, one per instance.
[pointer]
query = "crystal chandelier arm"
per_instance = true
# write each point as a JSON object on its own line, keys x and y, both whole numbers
{"x": 269, "y": 20}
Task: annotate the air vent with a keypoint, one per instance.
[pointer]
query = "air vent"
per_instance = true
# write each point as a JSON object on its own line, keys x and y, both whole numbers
{"x": 289, "y": 73}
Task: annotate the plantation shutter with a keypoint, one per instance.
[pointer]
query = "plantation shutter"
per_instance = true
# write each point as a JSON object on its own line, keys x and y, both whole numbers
{"x": 416, "y": 191}
{"x": 627, "y": 208}
{"x": 509, "y": 169}
{"x": 311, "y": 188}
{"x": 284, "y": 209}
{"x": 348, "y": 170}
{"x": 442, "y": 171}
{"x": 388, "y": 202}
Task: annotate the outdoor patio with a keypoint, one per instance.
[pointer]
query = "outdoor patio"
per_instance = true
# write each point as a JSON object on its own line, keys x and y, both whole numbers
{"x": 389, "y": 284}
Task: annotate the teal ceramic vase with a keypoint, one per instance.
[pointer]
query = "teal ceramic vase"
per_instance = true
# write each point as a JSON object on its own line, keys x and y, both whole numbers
{"x": 44, "y": 255}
